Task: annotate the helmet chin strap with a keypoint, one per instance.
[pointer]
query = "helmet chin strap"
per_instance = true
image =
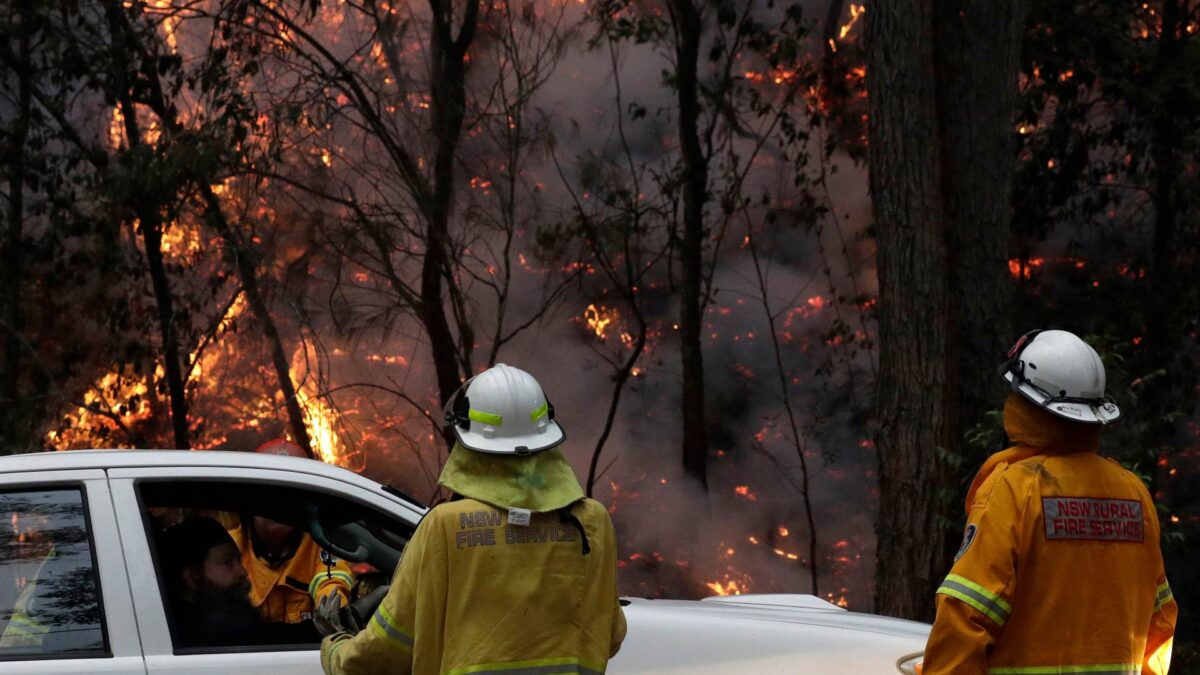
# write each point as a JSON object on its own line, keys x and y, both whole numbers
{"x": 455, "y": 412}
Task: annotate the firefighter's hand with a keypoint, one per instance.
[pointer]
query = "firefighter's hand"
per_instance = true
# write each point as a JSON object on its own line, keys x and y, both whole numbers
{"x": 327, "y": 616}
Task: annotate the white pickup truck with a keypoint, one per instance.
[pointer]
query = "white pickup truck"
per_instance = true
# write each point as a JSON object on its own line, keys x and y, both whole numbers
{"x": 80, "y": 547}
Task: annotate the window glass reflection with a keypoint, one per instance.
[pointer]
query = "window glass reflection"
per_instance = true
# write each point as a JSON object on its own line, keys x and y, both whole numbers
{"x": 48, "y": 597}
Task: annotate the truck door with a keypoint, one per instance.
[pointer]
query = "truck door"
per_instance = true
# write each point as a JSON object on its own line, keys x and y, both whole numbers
{"x": 150, "y": 501}
{"x": 65, "y": 602}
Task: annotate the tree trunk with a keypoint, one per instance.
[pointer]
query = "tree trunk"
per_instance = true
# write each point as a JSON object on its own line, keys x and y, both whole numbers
{"x": 151, "y": 226}
{"x": 687, "y": 20}
{"x": 149, "y": 214}
{"x": 914, "y": 407}
{"x": 943, "y": 82}
{"x": 978, "y": 49}
{"x": 1167, "y": 170}
{"x": 244, "y": 263}
{"x": 449, "y": 110}
{"x": 1161, "y": 395}
{"x": 14, "y": 428}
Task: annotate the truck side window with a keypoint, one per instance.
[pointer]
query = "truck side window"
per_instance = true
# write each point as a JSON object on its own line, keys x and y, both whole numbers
{"x": 49, "y": 596}
{"x": 290, "y": 543}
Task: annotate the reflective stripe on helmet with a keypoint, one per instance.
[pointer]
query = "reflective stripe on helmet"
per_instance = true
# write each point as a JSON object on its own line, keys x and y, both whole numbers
{"x": 484, "y": 418}
{"x": 1163, "y": 596}
{"x": 568, "y": 664}
{"x": 1093, "y": 669}
{"x": 540, "y": 412}
{"x": 386, "y": 627}
{"x": 992, "y": 605}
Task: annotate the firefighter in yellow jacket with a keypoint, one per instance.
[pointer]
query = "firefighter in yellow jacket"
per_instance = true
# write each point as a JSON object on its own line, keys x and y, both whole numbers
{"x": 516, "y": 575}
{"x": 1060, "y": 569}
{"x": 288, "y": 572}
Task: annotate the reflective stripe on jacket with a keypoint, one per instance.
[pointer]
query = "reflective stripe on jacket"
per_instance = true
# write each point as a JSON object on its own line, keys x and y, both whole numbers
{"x": 1060, "y": 569}
{"x": 474, "y": 594}
{"x": 288, "y": 593}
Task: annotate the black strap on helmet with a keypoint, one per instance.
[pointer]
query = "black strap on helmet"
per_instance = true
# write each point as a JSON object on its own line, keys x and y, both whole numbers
{"x": 458, "y": 412}
{"x": 1013, "y": 364}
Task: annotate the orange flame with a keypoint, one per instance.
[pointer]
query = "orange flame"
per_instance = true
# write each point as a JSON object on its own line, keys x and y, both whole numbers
{"x": 598, "y": 319}
{"x": 744, "y": 491}
{"x": 731, "y": 587}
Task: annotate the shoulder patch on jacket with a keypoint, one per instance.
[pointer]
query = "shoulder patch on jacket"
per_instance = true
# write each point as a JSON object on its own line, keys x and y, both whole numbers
{"x": 968, "y": 539}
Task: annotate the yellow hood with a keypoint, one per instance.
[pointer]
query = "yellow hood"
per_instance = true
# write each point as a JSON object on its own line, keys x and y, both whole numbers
{"x": 1035, "y": 432}
{"x": 539, "y": 482}
{"x": 1027, "y": 424}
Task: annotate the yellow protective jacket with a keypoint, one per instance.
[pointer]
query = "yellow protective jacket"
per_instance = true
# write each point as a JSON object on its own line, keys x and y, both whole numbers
{"x": 24, "y": 631}
{"x": 288, "y": 593}
{"x": 476, "y": 593}
{"x": 1060, "y": 569}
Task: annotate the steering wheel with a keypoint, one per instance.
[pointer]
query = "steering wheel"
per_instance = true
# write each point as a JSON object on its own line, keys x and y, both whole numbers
{"x": 317, "y": 531}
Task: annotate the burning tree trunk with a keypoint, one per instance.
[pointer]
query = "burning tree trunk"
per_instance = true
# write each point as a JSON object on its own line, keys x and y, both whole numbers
{"x": 147, "y": 206}
{"x": 937, "y": 125}
{"x": 14, "y": 425}
{"x": 243, "y": 261}
{"x": 686, "y": 20}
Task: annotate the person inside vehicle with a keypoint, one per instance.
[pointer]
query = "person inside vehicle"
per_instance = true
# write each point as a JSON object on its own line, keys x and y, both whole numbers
{"x": 209, "y": 591}
{"x": 32, "y": 555}
{"x": 289, "y": 574}
{"x": 516, "y": 574}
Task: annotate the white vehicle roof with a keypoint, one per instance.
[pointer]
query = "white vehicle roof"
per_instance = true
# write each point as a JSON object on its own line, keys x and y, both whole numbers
{"x": 113, "y": 459}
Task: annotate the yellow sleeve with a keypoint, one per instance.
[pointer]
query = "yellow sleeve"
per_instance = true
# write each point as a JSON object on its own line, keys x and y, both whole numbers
{"x": 337, "y": 579}
{"x": 973, "y": 602}
{"x": 619, "y": 627}
{"x": 1160, "y": 635}
{"x": 1160, "y": 638}
{"x": 386, "y": 644}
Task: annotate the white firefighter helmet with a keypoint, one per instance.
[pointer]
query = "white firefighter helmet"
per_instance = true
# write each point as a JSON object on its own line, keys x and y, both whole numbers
{"x": 503, "y": 411}
{"x": 1061, "y": 374}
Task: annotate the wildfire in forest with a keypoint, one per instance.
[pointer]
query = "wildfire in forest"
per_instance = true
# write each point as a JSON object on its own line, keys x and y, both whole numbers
{"x": 234, "y": 390}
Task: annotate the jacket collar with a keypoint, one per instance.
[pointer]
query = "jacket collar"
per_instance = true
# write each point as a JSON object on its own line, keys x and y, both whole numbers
{"x": 539, "y": 482}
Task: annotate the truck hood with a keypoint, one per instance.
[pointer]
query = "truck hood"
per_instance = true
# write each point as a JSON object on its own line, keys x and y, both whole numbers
{"x": 762, "y": 634}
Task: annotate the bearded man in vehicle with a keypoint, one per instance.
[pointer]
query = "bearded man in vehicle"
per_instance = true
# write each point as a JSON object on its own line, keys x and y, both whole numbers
{"x": 516, "y": 574}
{"x": 210, "y": 591}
